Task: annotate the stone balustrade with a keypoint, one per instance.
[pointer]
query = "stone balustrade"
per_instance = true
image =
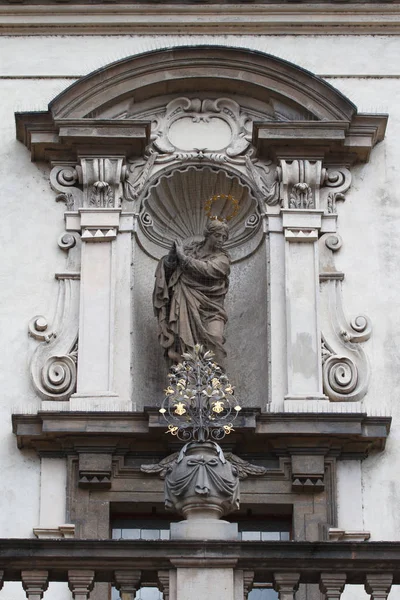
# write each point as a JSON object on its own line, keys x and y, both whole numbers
{"x": 124, "y": 564}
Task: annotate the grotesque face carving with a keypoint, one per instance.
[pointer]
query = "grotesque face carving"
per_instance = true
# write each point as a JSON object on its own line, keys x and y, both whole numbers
{"x": 202, "y": 483}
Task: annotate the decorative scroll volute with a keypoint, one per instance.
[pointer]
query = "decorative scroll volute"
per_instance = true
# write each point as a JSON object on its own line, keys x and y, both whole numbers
{"x": 53, "y": 365}
{"x": 94, "y": 183}
{"x": 345, "y": 366}
{"x": 64, "y": 179}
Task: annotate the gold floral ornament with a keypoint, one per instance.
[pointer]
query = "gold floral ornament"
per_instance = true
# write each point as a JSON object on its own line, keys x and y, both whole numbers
{"x": 218, "y": 407}
{"x": 209, "y": 203}
{"x": 199, "y": 402}
{"x": 228, "y": 428}
{"x": 180, "y": 409}
{"x": 173, "y": 429}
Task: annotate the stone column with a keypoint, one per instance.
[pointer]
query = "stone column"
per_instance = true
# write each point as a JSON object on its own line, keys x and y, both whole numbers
{"x": 286, "y": 584}
{"x": 35, "y": 583}
{"x": 80, "y": 583}
{"x": 302, "y": 221}
{"x": 127, "y": 583}
{"x": 378, "y": 585}
{"x": 332, "y": 585}
{"x": 99, "y": 221}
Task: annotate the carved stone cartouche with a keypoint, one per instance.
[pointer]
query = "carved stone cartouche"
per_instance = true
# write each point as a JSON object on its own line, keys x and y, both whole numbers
{"x": 202, "y": 484}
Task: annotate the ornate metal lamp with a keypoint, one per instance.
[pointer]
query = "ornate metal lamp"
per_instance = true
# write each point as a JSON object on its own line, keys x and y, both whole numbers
{"x": 199, "y": 403}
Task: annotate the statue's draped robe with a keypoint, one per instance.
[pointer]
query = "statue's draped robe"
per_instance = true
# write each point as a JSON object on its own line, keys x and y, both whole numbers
{"x": 188, "y": 297}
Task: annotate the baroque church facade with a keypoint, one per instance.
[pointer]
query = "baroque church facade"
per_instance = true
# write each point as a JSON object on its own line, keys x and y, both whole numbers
{"x": 226, "y": 429}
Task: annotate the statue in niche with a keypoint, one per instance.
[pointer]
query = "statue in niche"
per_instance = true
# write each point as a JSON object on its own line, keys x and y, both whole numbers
{"x": 191, "y": 284}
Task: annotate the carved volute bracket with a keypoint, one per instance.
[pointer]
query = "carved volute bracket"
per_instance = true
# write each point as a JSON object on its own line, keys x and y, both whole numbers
{"x": 345, "y": 365}
{"x": 53, "y": 365}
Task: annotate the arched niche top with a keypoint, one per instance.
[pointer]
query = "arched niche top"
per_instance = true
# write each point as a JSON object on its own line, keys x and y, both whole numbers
{"x": 300, "y": 109}
{"x": 185, "y": 69}
{"x": 173, "y": 208}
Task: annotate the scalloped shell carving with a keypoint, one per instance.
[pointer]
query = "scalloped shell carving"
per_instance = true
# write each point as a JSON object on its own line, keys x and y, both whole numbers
{"x": 173, "y": 207}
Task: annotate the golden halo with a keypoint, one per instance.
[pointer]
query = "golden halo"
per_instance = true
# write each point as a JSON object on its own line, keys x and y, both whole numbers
{"x": 208, "y": 206}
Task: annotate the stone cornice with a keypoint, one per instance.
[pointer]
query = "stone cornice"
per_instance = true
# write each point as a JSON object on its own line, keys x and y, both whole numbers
{"x": 310, "y": 559}
{"x": 245, "y": 18}
{"x": 62, "y": 139}
{"x": 346, "y": 435}
{"x": 335, "y": 140}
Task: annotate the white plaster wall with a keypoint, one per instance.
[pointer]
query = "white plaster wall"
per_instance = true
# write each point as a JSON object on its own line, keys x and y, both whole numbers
{"x": 369, "y": 223}
{"x": 32, "y": 221}
{"x": 29, "y": 226}
{"x": 73, "y": 56}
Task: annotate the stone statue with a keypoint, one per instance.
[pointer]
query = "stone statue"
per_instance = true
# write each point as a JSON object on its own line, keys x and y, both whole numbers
{"x": 189, "y": 293}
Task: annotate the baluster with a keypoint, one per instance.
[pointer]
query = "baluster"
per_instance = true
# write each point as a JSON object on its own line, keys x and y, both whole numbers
{"x": 127, "y": 583}
{"x": 80, "y": 583}
{"x": 378, "y": 585}
{"x": 35, "y": 583}
{"x": 286, "y": 584}
{"x": 332, "y": 585}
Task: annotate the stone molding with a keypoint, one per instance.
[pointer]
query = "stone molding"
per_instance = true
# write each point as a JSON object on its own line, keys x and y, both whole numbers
{"x": 47, "y": 533}
{"x": 343, "y": 535}
{"x": 349, "y": 436}
{"x": 367, "y": 18}
{"x": 86, "y": 561}
{"x": 261, "y": 74}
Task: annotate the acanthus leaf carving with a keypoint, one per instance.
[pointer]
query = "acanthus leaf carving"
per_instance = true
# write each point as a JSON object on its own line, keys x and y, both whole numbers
{"x": 102, "y": 179}
{"x": 259, "y": 172}
{"x": 301, "y": 196}
{"x": 301, "y": 181}
{"x": 141, "y": 171}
